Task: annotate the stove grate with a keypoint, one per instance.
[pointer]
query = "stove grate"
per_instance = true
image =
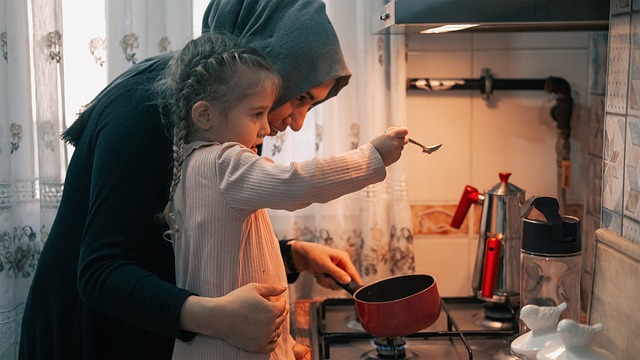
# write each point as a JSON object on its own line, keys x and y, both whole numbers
{"x": 452, "y": 333}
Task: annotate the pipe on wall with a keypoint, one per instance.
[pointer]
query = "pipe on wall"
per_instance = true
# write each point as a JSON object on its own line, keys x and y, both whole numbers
{"x": 561, "y": 112}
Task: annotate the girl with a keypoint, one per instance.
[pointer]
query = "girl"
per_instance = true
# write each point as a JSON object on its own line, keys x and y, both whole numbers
{"x": 218, "y": 93}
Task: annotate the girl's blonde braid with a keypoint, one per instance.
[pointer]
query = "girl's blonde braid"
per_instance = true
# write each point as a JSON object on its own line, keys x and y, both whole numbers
{"x": 180, "y": 134}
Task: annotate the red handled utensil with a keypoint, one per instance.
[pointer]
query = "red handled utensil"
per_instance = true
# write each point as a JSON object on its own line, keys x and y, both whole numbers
{"x": 491, "y": 262}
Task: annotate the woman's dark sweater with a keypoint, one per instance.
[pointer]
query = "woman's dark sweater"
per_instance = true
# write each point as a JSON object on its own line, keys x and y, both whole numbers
{"x": 104, "y": 282}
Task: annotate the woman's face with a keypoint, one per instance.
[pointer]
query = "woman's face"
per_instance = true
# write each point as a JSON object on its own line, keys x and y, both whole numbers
{"x": 292, "y": 114}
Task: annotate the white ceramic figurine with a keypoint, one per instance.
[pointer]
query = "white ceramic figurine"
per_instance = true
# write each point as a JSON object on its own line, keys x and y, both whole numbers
{"x": 542, "y": 321}
{"x": 575, "y": 339}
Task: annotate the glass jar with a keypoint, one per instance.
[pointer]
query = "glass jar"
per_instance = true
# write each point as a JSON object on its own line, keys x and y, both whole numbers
{"x": 551, "y": 260}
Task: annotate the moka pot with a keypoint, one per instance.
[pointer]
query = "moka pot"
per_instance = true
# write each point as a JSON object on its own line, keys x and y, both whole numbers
{"x": 496, "y": 273}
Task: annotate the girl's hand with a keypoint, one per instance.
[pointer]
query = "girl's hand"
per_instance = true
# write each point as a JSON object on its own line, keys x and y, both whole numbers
{"x": 390, "y": 144}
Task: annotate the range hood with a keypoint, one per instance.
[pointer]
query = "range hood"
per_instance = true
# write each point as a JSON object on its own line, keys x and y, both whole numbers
{"x": 413, "y": 16}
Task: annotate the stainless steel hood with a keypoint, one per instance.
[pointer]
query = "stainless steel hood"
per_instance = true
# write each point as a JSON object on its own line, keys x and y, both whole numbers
{"x": 412, "y": 16}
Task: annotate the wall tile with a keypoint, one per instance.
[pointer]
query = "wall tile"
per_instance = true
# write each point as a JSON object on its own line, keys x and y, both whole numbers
{"x": 590, "y": 224}
{"x": 575, "y": 210}
{"x": 599, "y": 41}
{"x": 620, "y": 6}
{"x": 473, "y": 251}
{"x": 439, "y": 117}
{"x": 596, "y": 125}
{"x": 611, "y": 221}
{"x": 593, "y": 195}
{"x": 431, "y": 119}
{"x": 440, "y": 64}
{"x": 631, "y": 229}
{"x": 613, "y": 163}
{"x": 446, "y": 259}
{"x": 570, "y": 64}
{"x": 634, "y": 72}
{"x": 435, "y": 220}
{"x": 593, "y": 190}
{"x": 632, "y": 169}
{"x": 618, "y": 68}
{"x": 441, "y": 42}
{"x": 520, "y": 122}
{"x": 530, "y": 40}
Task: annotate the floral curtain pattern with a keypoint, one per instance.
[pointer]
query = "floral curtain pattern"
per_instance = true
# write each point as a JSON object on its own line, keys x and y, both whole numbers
{"x": 373, "y": 225}
{"x": 69, "y": 59}
{"x": 138, "y": 29}
{"x": 32, "y": 160}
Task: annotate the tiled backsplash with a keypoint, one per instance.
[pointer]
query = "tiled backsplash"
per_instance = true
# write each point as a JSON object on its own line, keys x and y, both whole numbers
{"x": 621, "y": 162}
{"x": 616, "y": 267}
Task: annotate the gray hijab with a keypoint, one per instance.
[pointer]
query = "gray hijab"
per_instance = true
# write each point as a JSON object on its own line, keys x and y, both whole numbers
{"x": 296, "y": 36}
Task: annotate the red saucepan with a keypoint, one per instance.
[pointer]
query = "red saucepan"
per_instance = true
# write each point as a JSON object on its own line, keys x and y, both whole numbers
{"x": 396, "y": 306}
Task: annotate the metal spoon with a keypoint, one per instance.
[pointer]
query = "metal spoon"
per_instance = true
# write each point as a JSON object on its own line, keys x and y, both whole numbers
{"x": 426, "y": 149}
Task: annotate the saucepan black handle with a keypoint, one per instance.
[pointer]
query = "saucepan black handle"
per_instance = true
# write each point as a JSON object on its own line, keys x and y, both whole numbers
{"x": 351, "y": 287}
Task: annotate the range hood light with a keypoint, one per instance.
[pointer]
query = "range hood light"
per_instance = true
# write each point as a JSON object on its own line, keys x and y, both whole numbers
{"x": 447, "y": 28}
{"x": 414, "y": 16}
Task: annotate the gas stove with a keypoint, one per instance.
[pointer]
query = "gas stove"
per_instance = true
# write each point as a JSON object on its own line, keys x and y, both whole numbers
{"x": 466, "y": 329}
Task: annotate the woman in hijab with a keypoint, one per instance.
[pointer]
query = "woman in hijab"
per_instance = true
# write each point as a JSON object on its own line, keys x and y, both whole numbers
{"x": 105, "y": 282}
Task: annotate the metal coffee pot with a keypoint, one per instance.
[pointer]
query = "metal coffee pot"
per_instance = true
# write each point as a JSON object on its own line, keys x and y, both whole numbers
{"x": 496, "y": 274}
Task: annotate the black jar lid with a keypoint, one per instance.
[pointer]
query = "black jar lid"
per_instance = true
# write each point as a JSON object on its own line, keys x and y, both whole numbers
{"x": 555, "y": 235}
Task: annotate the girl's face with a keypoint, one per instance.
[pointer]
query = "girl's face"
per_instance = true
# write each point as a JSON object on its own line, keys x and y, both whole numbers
{"x": 246, "y": 123}
{"x": 292, "y": 114}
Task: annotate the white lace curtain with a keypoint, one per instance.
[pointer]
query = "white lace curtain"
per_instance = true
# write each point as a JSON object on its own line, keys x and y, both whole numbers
{"x": 31, "y": 155}
{"x": 57, "y": 55}
{"x": 373, "y": 225}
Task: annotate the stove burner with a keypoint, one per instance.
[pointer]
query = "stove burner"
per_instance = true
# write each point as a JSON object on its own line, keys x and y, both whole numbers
{"x": 372, "y": 355}
{"x": 390, "y": 348}
{"x": 497, "y": 316}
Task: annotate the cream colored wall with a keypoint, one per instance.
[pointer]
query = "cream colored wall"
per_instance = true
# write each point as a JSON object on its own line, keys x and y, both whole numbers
{"x": 512, "y": 132}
